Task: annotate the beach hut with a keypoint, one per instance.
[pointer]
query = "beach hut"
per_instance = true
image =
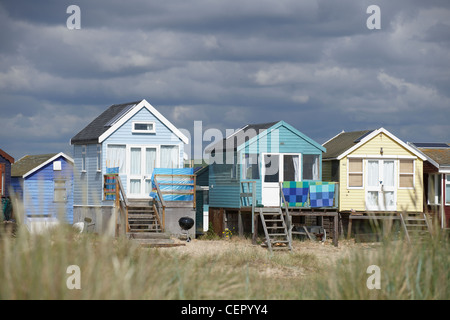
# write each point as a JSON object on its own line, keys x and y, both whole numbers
{"x": 436, "y": 177}
{"x": 44, "y": 183}
{"x": 126, "y": 142}
{"x": 256, "y": 158}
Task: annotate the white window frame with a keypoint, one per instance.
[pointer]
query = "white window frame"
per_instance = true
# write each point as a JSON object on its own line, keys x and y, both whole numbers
{"x": 407, "y": 174}
{"x": 99, "y": 157}
{"x": 437, "y": 182}
{"x": 363, "y": 165}
{"x": 134, "y": 130}
{"x": 446, "y": 182}
{"x": 303, "y": 163}
{"x": 83, "y": 157}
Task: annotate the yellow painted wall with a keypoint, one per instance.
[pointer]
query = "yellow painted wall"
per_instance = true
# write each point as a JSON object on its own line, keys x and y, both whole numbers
{"x": 407, "y": 199}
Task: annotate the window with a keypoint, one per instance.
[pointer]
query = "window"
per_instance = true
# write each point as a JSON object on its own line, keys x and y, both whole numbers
{"x": 310, "y": 167}
{"x": 355, "y": 173}
{"x": 447, "y": 189}
{"x": 83, "y": 158}
{"x": 99, "y": 157}
{"x": 116, "y": 157}
{"x": 2, "y": 177}
{"x": 57, "y": 166}
{"x": 406, "y": 179}
{"x": 143, "y": 127}
{"x": 170, "y": 157}
{"x": 251, "y": 166}
{"x": 434, "y": 189}
{"x": 290, "y": 167}
{"x": 59, "y": 194}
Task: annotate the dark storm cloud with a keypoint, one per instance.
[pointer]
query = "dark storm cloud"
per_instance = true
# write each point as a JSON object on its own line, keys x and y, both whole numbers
{"x": 311, "y": 63}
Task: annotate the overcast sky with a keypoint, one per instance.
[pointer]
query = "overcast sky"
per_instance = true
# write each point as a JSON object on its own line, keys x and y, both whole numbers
{"x": 311, "y": 63}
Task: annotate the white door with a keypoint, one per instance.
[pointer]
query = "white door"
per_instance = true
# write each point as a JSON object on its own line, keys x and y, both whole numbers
{"x": 143, "y": 159}
{"x": 275, "y": 169}
{"x": 380, "y": 185}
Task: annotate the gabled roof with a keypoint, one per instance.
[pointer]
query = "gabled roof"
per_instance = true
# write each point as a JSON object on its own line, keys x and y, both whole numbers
{"x": 31, "y": 163}
{"x": 115, "y": 116}
{"x": 437, "y": 154}
{"x": 234, "y": 140}
{"x": 342, "y": 145}
{"x": 6, "y": 156}
{"x": 342, "y": 142}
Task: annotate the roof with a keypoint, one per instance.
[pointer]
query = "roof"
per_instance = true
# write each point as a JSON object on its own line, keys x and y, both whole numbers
{"x": 6, "y": 156}
{"x": 99, "y": 125}
{"x": 31, "y": 163}
{"x": 113, "y": 117}
{"x": 439, "y": 153}
{"x": 342, "y": 142}
{"x": 344, "y": 145}
{"x": 238, "y": 137}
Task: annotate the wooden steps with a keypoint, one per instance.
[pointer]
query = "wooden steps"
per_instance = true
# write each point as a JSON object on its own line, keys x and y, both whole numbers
{"x": 277, "y": 236}
{"x": 415, "y": 226}
{"x": 142, "y": 217}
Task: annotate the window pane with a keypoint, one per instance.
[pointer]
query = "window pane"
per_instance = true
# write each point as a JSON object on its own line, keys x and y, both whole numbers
{"x": 388, "y": 173}
{"x": 406, "y": 166}
{"x": 169, "y": 157}
{"x": 310, "y": 167}
{"x": 447, "y": 189}
{"x": 135, "y": 161}
{"x": 372, "y": 199}
{"x": 150, "y": 160}
{"x": 115, "y": 157}
{"x": 143, "y": 126}
{"x": 135, "y": 186}
{"x": 355, "y": 165}
{"x": 251, "y": 166}
{"x": 272, "y": 164}
{"x": 406, "y": 181}
{"x": 373, "y": 173}
{"x": 355, "y": 180}
{"x": 290, "y": 167}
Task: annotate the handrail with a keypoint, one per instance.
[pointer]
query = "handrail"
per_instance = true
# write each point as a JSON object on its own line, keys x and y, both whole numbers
{"x": 120, "y": 198}
{"x": 286, "y": 209}
{"x": 163, "y": 204}
{"x": 251, "y": 194}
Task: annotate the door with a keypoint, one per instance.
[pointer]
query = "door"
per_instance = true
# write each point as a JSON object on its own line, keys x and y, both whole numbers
{"x": 277, "y": 168}
{"x": 380, "y": 186}
{"x": 143, "y": 160}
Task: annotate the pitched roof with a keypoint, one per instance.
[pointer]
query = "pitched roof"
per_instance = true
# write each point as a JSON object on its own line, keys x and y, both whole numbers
{"x": 115, "y": 116}
{"x": 439, "y": 153}
{"x": 102, "y": 123}
{"x": 6, "y": 156}
{"x": 241, "y": 135}
{"x": 342, "y": 142}
{"x": 30, "y": 163}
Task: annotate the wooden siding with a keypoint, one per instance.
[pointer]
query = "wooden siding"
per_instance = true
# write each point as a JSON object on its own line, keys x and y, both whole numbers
{"x": 124, "y": 136}
{"x": 38, "y": 191}
{"x": 407, "y": 199}
{"x": 88, "y": 183}
{"x": 225, "y": 190}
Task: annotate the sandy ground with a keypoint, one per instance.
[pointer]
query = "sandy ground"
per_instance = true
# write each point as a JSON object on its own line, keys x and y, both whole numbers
{"x": 326, "y": 252}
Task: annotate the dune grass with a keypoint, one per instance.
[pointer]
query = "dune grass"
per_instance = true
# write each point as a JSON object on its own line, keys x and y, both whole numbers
{"x": 35, "y": 267}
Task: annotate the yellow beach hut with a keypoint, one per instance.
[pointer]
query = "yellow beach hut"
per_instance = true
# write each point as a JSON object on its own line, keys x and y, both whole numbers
{"x": 377, "y": 172}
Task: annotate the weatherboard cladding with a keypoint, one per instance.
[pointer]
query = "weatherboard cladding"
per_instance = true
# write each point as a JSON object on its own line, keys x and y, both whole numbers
{"x": 88, "y": 184}
{"x": 37, "y": 189}
{"x": 282, "y": 138}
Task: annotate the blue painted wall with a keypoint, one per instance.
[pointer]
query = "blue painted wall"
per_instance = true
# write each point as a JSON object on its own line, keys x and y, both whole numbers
{"x": 37, "y": 191}
{"x": 88, "y": 185}
{"x": 281, "y": 138}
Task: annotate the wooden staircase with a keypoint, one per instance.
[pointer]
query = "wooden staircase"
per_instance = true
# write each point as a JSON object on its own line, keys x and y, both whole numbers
{"x": 415, "y": 226}
{"x": 144, "y": 225}
{"x": 275, "y": 229}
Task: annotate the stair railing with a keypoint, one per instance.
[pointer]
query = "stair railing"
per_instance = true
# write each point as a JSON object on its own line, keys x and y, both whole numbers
{"x": 159, "y": 205}
{"x": 121, "y": 204}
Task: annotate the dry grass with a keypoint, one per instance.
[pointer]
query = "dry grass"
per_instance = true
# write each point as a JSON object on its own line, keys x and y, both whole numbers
{"x": 34, "y": 267}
